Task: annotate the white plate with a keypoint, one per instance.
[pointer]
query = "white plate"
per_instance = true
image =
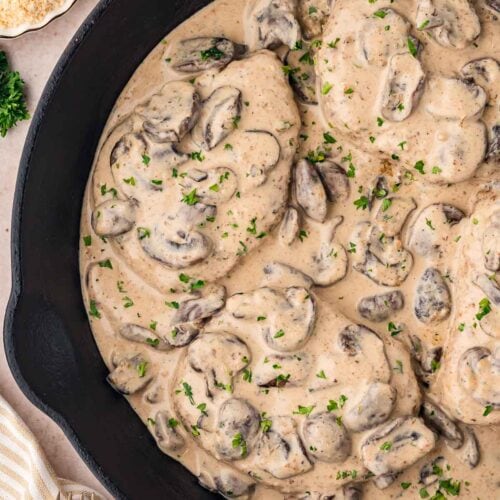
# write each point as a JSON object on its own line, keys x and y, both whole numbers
{"x": 23, "y": 28}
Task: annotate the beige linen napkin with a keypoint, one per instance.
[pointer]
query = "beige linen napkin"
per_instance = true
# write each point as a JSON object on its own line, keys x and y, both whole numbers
{"x": 25, "y": 473}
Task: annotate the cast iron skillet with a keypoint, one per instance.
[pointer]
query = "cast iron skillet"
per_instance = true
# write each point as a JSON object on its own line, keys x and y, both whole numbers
{"x": 49, "y": 345}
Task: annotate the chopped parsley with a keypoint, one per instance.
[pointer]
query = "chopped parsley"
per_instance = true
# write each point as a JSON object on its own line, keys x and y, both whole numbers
{"x": 304, "y": 410}
{"x": 197, "y": 155}
{"x": 142, "y": 368}
{"x": 228, "y": 147}
{"x": 386, "y": 204}
{"x": 143, "y": 232}
{"x": 303, "y": 234}
{"x": 326, "y": 88}
{"x": 93, "y": 311}
{"x": 386, "y": 446}
{"x": 279, "y": 334}
{"x": 127, "y": 302}
{"x": 239, "y": 442}
{"x": 173, "y": 304}
{"x": 436, "y": 170}
{"x": 362, "y": 202}
{"x": 130, "y": 181}
{"x": 328, "y": 138}
{"x": 412, "y": 47}
{"x": 106, "y": 263}
{"x": 380, "y": 13}
{"x": 484, "y": 309}
{"x": 191, "y": 198}
{"x": 87, "y": 240}
{"x": 393, "y": 329}
{"x": 380, "y": 121}
{"x": 321, "y": 374}
{"x": 423, "y": 25}
{"x": 265, "y": 423}
{"x": 146, "y": 159}
{"x": 333, "y": 45}
{"x": 153, "y": 342}
{"x": 487, "y": 410}
{"x": 419, "y": 167}
{"x": 211, "y": 53}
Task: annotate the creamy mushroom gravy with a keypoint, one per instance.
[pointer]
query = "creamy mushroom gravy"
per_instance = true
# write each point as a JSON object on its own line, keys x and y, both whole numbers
{"x": 290, "y": 256}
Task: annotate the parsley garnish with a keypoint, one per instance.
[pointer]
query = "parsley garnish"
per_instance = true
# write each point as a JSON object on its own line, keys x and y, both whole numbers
{"x": 362, "y": 202}
{"x": 93, "y": 311}
{"x": 484, "y": 309}
{"x": 239, "y": 442}
{"x": 12, "y": 102}
{"x": 212, "y": 53}
{"x": 411, "y": 47}
{"x": 191, "y": 198}
{"x": 304, "y": 410}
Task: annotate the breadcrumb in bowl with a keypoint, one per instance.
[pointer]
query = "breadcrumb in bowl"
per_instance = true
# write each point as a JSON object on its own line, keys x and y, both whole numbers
{"x": 20, "y": 16}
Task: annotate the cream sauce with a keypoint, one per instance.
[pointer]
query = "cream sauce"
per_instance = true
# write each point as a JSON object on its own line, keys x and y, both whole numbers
{"x": 283, "y": 326}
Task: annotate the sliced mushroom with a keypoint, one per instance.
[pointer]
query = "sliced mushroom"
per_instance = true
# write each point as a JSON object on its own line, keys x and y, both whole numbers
{"x": 217, "y": 117}
{"x": 227, "y": 482}
{"x": 131, "y": 375}
{"x": 219, "y": 356}
{"x": 130, "y": 148}
{"x": 177, "y": 249}
{"x": 183, "y": 334}
{"x": 201, "y": 307}
{"x": 457, "y": 148}
{"x": 280, "y": 451}
{"x": 278, "y": 370}
{"x": 409, "y": 440}
{"x": 261, "y": 151}
{"x": 432, "y": 298}
{"x": 113, "y": 218}
{"x": 383, "y": 259}
{"x": 469, "y": 453}
{"x": 434, "y": 221}
{"x": 494, "y": 144}
{"x": 237, "y": 427}
{"x": 365, "y": 348}
{"x": 479, "y": 375}
{"x": 431, "y": 472}
{"x": 313, "y": 15}
{"x": 289, "y": 228}
{"x": 309, "y": 191}
{"x": 335, "y": 181}
{"x": 489, "y": 286}
{"x": 284, "y": 276}
{"x": 436, "y": 419}
{"x": 375, "y": 44}
{"x": 329, "y": 263}
{"x": 297, "y": 312}
{"x": 213, "y": 187}
{"x": 273, "y": 23}
{"x": 493, "y": 5}
{"x": 167, "y": 435}
{"x": 203, "y": 53}
{"x": 384, "y": 481}
{"x": 403, "y": 87}
{"x": 372, "y": 408}
{"x": 302, "y": 76}
{"x": 452, "y": 23}
{"x": 454, "y": 99}
{"x": 380, "y": 307}
{"x": 326, "y": 438}
{"x": 484, "y": 72}
{"x": 491, "y": 243}
{"x": 169, "y": 115}
{"x": 393, "y": 213}
{"x": 139, "y": 334}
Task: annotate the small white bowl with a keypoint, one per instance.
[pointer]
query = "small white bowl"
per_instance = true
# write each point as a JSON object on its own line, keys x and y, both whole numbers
{"x": 26, "y": 27}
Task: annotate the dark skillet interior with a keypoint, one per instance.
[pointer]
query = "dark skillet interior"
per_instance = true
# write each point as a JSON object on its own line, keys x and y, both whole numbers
{"x": 49, "y": 344}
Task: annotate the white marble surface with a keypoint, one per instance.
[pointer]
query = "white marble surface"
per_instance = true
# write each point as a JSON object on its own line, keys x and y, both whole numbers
{"x": 34, "y": 56}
